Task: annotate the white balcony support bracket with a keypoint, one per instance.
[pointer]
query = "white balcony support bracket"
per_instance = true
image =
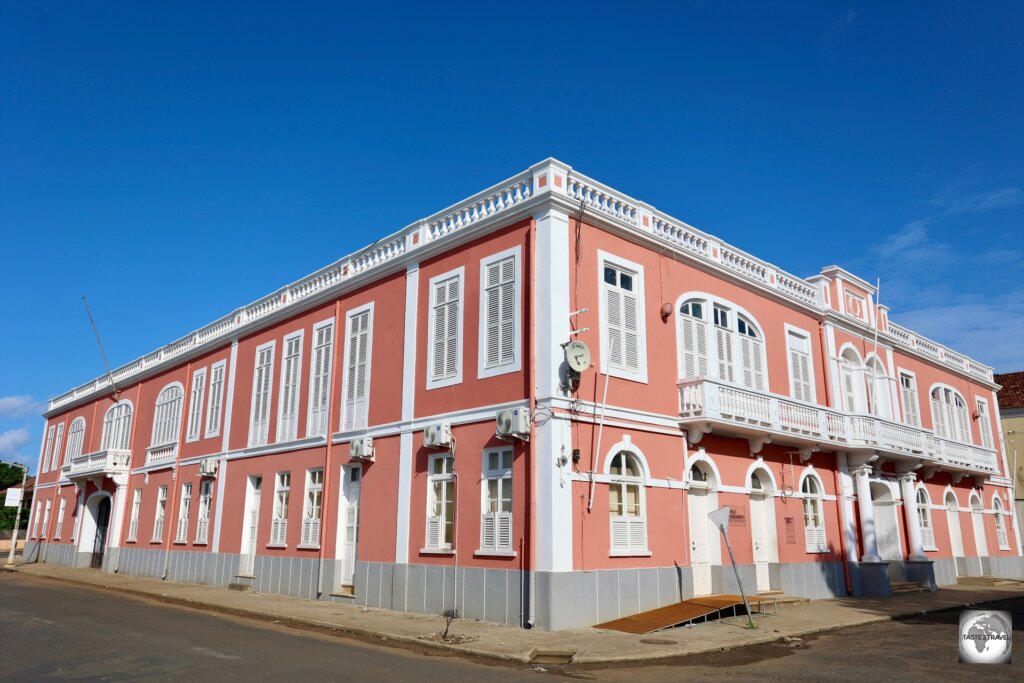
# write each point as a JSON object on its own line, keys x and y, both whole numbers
{"x": 955, "y": 477}
{"x": 757, "y": 443}
{"x": 928, "y": 471}
{"x": 806, "y": 453}
{"x": 695, "y": 433}
{"x": 979, "y": 481}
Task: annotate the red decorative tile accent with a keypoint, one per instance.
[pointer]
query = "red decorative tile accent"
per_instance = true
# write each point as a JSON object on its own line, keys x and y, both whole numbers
{"x": 714, "y": 252}
{"x": 542, "y": 181}
{"x": 558, "y": 181}
{"x": 772, "y": 278}
{"x": 647, "y": 222}
{"x": 415, "y": 238}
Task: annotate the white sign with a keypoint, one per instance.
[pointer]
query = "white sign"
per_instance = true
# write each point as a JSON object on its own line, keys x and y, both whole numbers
{"x": 13, "y": 498}
{"x": 720, "y": 518}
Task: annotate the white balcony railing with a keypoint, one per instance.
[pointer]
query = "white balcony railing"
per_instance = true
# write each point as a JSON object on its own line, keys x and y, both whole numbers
{"x": 111, "y": 461}
{"x": 751, "y": 412}
{"x": 164, "y": 453}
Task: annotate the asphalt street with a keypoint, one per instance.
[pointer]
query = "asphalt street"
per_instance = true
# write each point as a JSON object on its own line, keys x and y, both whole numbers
{"x": 54, "y": 632}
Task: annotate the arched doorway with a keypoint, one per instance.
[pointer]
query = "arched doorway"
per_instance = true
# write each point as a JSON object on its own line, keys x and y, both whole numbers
{"x": 762, "y": 527}
{"x": 978, "y": 523}
{"x": 702, "y": 499}
{"x": 886, "y": 525}
{"x": 94, "y": 527}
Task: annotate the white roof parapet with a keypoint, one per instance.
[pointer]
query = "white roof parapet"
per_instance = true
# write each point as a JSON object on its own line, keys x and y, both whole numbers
{"x": 541, "y": 178}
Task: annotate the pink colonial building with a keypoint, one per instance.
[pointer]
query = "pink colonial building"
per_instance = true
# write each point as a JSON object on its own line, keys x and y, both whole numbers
{"x": 410, "y": 428}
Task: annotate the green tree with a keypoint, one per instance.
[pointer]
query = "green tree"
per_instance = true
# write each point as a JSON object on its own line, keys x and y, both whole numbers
{"x": 10, "y": 476}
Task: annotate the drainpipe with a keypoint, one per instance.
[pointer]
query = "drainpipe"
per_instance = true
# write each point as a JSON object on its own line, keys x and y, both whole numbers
{"x": 182, "y": 419}
{"x": 327, "y": 452}
{"x": 531, "y": 450}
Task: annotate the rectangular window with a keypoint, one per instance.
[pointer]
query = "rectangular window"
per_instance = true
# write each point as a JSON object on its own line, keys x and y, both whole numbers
{"x": 499, "y": 314}
{"x": 183, "y": 510}
{"x": 496, "y": 521}
{"x": 288, "y": 404}
{"x": 799, "y": 346}
{"x": 259, "y": 423}
{"x": 195, "y": 406}
{"x": 279, "y": 522}
{"x": 133, "y": 527}
{"x": 357, "y": 368}
{"x": 440, "y": 502}
{"x": 35, "y": 519}
{"x": 46, "y": 518}
{"x": 444, "y": 364}
{"x": 216, "y": 399}
{"x": 320, "y": 379}
{"x": 622, "y": 319}
{"x": 48, "y": 448}
{"x": 55, "y": 460}
{"x": 723, "y": 340}
{"x": 908, "y": 395}
{"x": 158, "y": 517}
{"x": 313, "y": 507}
{"x": 984, "y": 425}
{"x": 203, "y": 522}
{"x": 60, "y": 518}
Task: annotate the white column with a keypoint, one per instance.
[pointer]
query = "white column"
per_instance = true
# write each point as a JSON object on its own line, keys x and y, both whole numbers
{"x": 117, "y": 514}
{"x": 866, "y": 508}
{"x": 79, "y": 509}
{"x": 913, "y": 520}
{"x": 405, "y": 439}
{"x": 554, "y": 489}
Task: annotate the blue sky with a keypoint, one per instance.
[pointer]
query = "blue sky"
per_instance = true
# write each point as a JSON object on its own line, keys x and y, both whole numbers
{"x": 172, "y": 161}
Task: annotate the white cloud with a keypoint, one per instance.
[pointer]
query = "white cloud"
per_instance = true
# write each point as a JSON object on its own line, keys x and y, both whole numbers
{"x": 953, "y": 202}
{"x": 13, "y": 407}
{"x": 12, "y": 440}
{"x": 838, "y": 26}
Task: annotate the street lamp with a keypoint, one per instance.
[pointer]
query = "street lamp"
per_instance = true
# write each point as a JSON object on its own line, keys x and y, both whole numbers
{"x": 17, "y": 515}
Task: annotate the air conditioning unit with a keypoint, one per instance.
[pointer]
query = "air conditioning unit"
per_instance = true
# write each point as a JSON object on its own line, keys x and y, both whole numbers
{"x": 361, "y": 448}
{"x": 438, "y": 435}
{"x": 208, "y": 467}
{"x": 513, "y": 424}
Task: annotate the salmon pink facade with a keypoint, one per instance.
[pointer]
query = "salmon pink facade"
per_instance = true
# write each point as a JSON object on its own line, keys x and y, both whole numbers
{"x": 523, "y": 408}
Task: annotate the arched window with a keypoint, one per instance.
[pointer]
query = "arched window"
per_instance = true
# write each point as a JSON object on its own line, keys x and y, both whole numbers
{"x": 852, "y": 386}
{"x": 878, "y": 389}
{"x": 699, "y": 477}
{"x": 756, "y": 485}
{"x": 814, "y": 515}
{"x": 76, "y": 436}
{"x": 167, "y": 415}
{"x": 626, "y": 505}
{"x": 997, "y": 507}
{"x": 117, "y": 427}
{"x": 924, "y": 518}
{"x": 949, "y": 414}
{"x": 737, "y": 352}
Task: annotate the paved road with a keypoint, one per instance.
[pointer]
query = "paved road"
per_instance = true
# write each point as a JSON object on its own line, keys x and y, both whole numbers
{"x": 49, "y": 631}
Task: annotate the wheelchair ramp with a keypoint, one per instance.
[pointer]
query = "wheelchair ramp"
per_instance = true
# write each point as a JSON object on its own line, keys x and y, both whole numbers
{"x": 683, "y": 612}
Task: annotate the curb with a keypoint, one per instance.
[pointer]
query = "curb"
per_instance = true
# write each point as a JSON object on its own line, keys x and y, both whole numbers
{"x": 408, "y": 642}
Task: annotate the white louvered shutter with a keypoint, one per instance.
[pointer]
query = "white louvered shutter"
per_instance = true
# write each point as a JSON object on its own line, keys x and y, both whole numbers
{"x": 725, "y": 368}
{"x": 499, "y": 312}
{"x": 488, "y": 531}
{"x": 630, "y": 332}
{"x": 504, "y": 529}
{"x": 638, "y": 533}
{"x": 446, "y": 329}
{"x": 620, "y": 533}
{"x": 290, "y": 390}
{"x": 321, "y": 384}
{"x": 614, "y": 304}
{"x": 753, "y": 368}
{"x": 433, "y": 532}
{"x": 355, "y": 391}
{"x": 800, "y": 367}
{"x": 695, "y": 347}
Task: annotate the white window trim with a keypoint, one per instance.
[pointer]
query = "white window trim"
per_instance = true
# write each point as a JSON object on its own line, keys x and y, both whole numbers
{"x": 58, "y": 443}
{"x": 198, "y": 379}
{"x": 627, "y": 446}
{"x": 136, "y": 513}
{"x": 208, "y": 485}
{"x": 79, "y": 443}
{"x": 517, "y": 326}
{"x": 274, "y": 508}
{"x": 307, "y": 488}
{"x": 160, "y": 515}
{"x": 103, "y": 430}
{"x": 932, "y": 547}
{"x": 799, "y": 331}
{"x": 298, "y": 334}
{"x": 500, "y": 473}
{"x": 952, "y": 426}
{"x": 710, "y": 301}
{"x": 368, "y": 308}
{"x": 329, "y": 322}
{"x": 604, "y": 258}
{"x": 184, "y": 512}
{"x": 181, "y": 409}
{"x": 48, "y": 448}
{"x": 810, "y": 473}
{"x": 222, "y": 365}
{"x": 981, "y": 434}
{"x": 270, "y": 391}
{"x": 59, "y": 526}
{"x": 459, "y": 272}
{"x": 917, "y": 393}
{"x": 444, "y": 548}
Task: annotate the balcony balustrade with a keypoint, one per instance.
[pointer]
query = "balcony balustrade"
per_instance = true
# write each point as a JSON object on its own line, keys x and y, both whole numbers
{"x": 99, "y": 463}
{"x": 164, "y": 453}
{"x": 711, "y": 404}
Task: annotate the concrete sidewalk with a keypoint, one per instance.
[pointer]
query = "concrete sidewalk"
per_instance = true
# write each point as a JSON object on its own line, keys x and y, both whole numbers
{"x": 587, "y": 646}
